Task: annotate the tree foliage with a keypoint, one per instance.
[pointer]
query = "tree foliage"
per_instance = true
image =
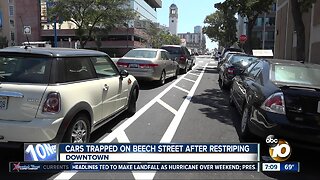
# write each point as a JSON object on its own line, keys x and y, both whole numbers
{"x": 159, "y": 37}
{"x": 250, "y": 9}
{"x": 89, "y": 15}
{"x": 221, "y": 27}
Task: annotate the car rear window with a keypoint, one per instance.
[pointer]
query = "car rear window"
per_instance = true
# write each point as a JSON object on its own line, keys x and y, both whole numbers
{"x": 296, "y": 74}
{"x": 141, "y": 54}
{"x": 242, "y": 60}
{"x": 173, "y": 50}
{"x": 24, "y": 69}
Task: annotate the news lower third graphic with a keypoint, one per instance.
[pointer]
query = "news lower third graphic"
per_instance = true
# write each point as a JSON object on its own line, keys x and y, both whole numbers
{"x": 153, "y": 157}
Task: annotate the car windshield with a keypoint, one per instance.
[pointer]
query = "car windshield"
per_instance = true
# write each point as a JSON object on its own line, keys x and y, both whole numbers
{"x": 141, "y": 54}
{"x": 242, "y": 60}
{"x": 172, "y": 50}
{"x": 296, "y": 74}
{"x": 24, "y": 69}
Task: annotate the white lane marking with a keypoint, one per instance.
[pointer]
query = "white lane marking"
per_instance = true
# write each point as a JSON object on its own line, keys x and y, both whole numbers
{"x": 129, "y": 121}
{"x": 123, "y": 138}
{"x": 200, "y": 61}
{"x": 211, "y": 66}
{"x": 168, "y": 135}
{"x": 65, "y": 175}
{"x": 171, "y": 130}
{"x": 180, "y": 88}
{"x": 189, "y": 80}
{"x": 167, "y": 106}
{"x": 193, "y": 74}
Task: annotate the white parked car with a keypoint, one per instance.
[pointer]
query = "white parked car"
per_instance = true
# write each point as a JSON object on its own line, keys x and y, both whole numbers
{"x": 60, "y": 95}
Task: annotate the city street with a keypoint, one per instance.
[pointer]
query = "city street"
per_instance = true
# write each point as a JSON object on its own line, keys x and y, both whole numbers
{"x": 189, "y": 109}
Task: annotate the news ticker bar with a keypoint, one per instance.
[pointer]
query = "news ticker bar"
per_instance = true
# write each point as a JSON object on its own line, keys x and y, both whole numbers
{"x": 283, "y": 166}
{"x": 142, "y": 152}
{"x": 51, "y": 167}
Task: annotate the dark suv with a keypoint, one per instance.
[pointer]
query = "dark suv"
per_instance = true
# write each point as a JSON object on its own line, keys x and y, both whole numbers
{"x": 182, "y": 55}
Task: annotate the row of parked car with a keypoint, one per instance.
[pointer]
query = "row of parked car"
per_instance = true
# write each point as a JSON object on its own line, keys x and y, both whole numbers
{"x": 41, "y": 97}
{"x": 279, "y": 97}
{"x": 157, "y": 64}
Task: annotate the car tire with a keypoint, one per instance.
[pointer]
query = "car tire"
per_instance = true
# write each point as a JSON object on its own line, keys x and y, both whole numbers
{"x": 162, "y": 79}
{"x": 231, "y": 102}
{"x": 176, "y": 73}
{"x": 244, "y": 129}
{"x": 78, "y": 130}
{"x": 132, "y": 103}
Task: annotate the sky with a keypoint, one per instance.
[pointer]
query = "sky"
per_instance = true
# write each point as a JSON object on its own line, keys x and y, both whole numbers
{"x": 190, "y": 13}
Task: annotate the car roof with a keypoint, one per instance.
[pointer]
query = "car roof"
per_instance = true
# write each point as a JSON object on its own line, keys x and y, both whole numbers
{"x": 149, "y": 49}
{"x": 178, "y": 46}
{"x": 292, "y": 62}
{"x": 52, "y": 52}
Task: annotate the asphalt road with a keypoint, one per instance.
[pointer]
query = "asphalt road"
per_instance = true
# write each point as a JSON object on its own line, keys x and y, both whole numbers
{"x": 190, "y": 109}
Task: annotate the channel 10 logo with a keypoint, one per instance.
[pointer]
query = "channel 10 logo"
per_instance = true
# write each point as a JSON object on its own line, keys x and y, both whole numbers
{"x": 40, "y": 152}
{"x": 279, "y": 149}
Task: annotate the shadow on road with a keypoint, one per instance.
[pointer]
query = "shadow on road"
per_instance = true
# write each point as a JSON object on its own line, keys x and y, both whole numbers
{"x": 218, "y": 108}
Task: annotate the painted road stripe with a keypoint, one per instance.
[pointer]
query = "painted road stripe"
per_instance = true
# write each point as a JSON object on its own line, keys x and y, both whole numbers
{"x": 170, "y": 132}
{"x": 65, "y": 175}
{"x": 193, "y": 74}
{"x": 180, "y": 88}
{"x": 189, "y": 80}
{"x": 167, "y": 137}
{"x": 167, "y": 106}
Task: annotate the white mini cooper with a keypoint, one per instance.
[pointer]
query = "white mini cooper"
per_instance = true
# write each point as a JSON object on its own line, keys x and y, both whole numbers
{"x": 60, "y": 95}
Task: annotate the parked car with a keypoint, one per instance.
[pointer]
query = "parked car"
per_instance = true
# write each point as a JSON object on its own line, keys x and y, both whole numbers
{"x": 226, "y": 56}
{"x": 181, "y": 55}
{"x": 235, "y": 64}
{"x": 279, "y": 97}
{"x": 149, "y": 64}
{"x": 60, "y": 95}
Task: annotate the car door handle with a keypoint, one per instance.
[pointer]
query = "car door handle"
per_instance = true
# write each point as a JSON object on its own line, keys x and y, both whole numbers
{"x": 105, "y": 87}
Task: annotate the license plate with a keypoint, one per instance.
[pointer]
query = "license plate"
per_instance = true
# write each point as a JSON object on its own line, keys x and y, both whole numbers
{"x": 318, "y": 107}
{"x": 133, "y": 65}
{"x": 3, "y": 103}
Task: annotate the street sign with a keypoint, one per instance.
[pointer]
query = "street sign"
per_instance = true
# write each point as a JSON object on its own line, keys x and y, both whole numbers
{"x": 26, "y": 29}
{"x": 243, "y": 38}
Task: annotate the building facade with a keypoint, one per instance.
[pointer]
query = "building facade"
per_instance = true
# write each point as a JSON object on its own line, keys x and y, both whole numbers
{"x": 286, "y": 37}
{"x": 7, "y": 24}
{"x": 173, "y": 19}
{"x": 33, "y": 14}
{"x": 196, "y": 41}
{"x": 263, "y": 31}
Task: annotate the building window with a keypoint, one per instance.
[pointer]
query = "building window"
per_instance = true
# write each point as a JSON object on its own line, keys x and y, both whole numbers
{"x": 12, "y": 36}
{"x": 173, "y": 11}
{"x": 10, "y": 1}
{"x": 259, "y": 21}
{"x": 11, "y": 11}
{"x": 172, "y": 21}
{"x": 11, "y": 23}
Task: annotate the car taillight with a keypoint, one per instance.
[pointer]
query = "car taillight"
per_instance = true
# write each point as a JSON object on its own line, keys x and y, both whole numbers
{"x": 121, "y": 64}
{"x": 275, "y": 103}
{"x": 52, "y": 103}
{"x": 147, "y": 66}
{"x": 230, "y": 70}
{"x": 183, "y": 58}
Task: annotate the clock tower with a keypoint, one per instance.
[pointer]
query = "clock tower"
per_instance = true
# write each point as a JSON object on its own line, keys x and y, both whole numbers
{"x": 173, "y": 19}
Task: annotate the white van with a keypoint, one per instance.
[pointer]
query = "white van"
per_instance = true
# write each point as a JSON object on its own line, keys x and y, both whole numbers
{"x": 45, "y": 44}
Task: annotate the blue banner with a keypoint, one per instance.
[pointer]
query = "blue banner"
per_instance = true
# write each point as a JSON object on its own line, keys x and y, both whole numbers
{"x": 290, "y": 166}
{"x": 1, "y": 20}
{"x": 40, "y": 152}
{"x": 159, "y": 148}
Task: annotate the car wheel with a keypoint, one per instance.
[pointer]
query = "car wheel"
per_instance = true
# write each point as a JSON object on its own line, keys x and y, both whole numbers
{"x": 176, "y": 73}
{"x": 132, "y": 104}
{"x": 78, "y": 131}
{"x": 246, "y": 115}
{"x": 162, "y": 80}
{"x": 231, "y": 102}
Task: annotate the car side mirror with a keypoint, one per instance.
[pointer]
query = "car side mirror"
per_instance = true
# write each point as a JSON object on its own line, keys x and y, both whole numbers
{"x": 124, "y": 73}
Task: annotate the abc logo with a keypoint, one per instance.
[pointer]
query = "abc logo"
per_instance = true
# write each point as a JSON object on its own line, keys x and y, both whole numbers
{"x": 279, "y": 149}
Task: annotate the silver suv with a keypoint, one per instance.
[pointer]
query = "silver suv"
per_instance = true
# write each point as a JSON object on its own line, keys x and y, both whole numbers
{"x": 60, "y": 95}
